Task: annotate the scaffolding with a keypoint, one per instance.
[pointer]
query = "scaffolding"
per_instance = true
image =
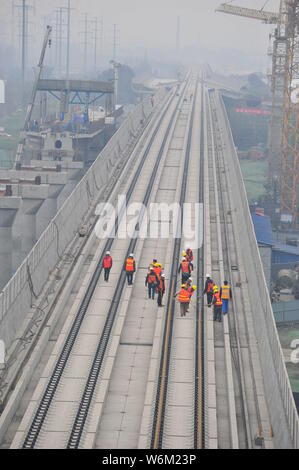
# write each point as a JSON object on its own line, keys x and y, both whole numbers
{"x": 289, "y": 190}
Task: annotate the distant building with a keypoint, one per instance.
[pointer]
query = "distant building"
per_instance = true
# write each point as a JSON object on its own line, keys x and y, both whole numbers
{"x": 2, "y": 92}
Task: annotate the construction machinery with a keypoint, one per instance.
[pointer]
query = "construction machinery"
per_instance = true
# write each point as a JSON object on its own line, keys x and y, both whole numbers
{"x": 30, "y": 107}
{"x": 268, "y": 17}
{"x": 284, "y": 144}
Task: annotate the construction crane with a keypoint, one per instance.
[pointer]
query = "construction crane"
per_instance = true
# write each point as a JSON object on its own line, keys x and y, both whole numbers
{"x": 278, "y": 77}
{"x": 30, "y": 107}
{"x": 284, "y": 131}
{"x": 268, "y": 17}
{"x": 289, "y": 182}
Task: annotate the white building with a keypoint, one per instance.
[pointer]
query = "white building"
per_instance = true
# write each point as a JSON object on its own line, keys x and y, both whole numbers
{"x": 2, "y": 92}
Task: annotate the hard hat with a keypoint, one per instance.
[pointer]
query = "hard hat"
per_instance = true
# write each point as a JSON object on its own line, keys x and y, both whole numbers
{"x": 132, "y": 255}
{"x": 183, "y": 259}
{"x": 215, "y": 289}
{"x": 190, "y": 280}
{"x": 160, "y": 265}
{"x": 184, "y": 253}
{"x": 208, "y": 275}
{"x": 194, "y": 287}
{"x": 163, "y": 275}
{"x": 107, "y": 252}
{"x": 183, "y": 285}
{"x": 151, "y": 268}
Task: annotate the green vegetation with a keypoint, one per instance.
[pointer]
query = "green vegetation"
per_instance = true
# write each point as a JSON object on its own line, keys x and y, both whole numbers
{"x": 286, "y": 335}
{"x": 8, "y": 145}
{"x": 255, "y": 178}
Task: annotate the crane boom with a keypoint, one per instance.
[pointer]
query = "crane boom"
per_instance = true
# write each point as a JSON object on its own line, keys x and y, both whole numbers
{"x": 268, "y": 17}
{"x": 34, "y": 91}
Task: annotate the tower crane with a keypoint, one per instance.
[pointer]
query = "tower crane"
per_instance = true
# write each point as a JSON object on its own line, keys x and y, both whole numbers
{"x": 268, "y": 17}
{"x": 284, "y": 131}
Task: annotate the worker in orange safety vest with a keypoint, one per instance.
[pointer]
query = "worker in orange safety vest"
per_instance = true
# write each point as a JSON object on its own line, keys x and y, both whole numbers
{"x": 185, "y": 267}
{"x": 130, "y": 268}
{"x": 184, "y": 299}
{"x": 217, "y": 302}
{"x": 226, "y": 296}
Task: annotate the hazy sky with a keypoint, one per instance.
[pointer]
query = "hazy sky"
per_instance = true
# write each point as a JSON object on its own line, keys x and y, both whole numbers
{"x": 153, "y": 22}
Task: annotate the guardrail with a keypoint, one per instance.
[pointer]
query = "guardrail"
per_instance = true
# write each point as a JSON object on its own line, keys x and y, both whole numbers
{"x": 280, "y": 400}
{"x": 33, "y": 273}
{"x": 286, "y": 312}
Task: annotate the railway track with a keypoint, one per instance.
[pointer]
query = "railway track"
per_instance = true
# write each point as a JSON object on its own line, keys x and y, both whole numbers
{"x": 42, "y": 411}
{"x": 165, "y": 406}
{"x": 248, "y": 417}
{"x": 238, "y": 321}
{"x": 225, "y": 387}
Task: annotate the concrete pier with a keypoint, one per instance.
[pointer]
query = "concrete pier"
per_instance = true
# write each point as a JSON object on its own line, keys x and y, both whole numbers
{"x": 24, "y": 227}
{"x": 9, "y": 207}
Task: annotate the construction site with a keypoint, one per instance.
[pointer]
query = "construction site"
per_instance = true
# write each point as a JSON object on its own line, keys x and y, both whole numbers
{"x": 93, "y": 363}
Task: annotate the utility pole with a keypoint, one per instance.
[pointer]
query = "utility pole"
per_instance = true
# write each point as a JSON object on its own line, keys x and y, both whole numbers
{"x": 85, "y": 42}
{"x": 88, "y": 30}
{"x": 95, "y": 43}
{"x": 23, "y": 49}
{"x": 56, "y": 37}
{"x": 68, "y": 40}
{"x": 114, "y": 42}
{"x": 178, "y": 33}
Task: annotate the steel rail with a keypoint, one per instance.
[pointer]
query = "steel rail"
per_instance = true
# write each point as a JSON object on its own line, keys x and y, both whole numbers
{"x": 236, "y": 318}
{"x": 161, "y": 396}
{"x": 199, "y": 392}
{"x": 233, "y": 331}
{"x": 226, "y": 335}
{"x": 83, "y": 409}
{"x": 75, "y": 259}
{"x": 40, "y": 415}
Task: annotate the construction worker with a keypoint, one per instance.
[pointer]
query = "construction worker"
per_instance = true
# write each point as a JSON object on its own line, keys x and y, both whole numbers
{"x": 130, "y": 268}
{"x": 158, "y": 269}
{"x": 189, "y": 256}
{"x": 107, "y": 265}
{"x": 185, "y": 267}
{"x": 184, "y": 299}
{"x": 161, "y": 290}
{"x": 217, "y": 302}
{"x": 191, "y": 290}
{"x": 151, "y": 282}
{"x": 226, "y": 296}
{"x": 209, "y": 289}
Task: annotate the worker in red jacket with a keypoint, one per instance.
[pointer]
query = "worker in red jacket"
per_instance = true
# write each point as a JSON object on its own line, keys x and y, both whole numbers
{"x": 189, "y": 256}
{"x": 107, "y": 265}
{"x": 151, "y": 282}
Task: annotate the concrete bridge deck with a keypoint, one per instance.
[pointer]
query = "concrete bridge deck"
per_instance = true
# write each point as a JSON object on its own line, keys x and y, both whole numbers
{"x": 89, "y": 376}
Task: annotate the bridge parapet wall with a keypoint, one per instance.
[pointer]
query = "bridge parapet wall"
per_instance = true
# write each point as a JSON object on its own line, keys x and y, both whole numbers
{"x": 30, "y": 278}
{"x": 280, "y": 400}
